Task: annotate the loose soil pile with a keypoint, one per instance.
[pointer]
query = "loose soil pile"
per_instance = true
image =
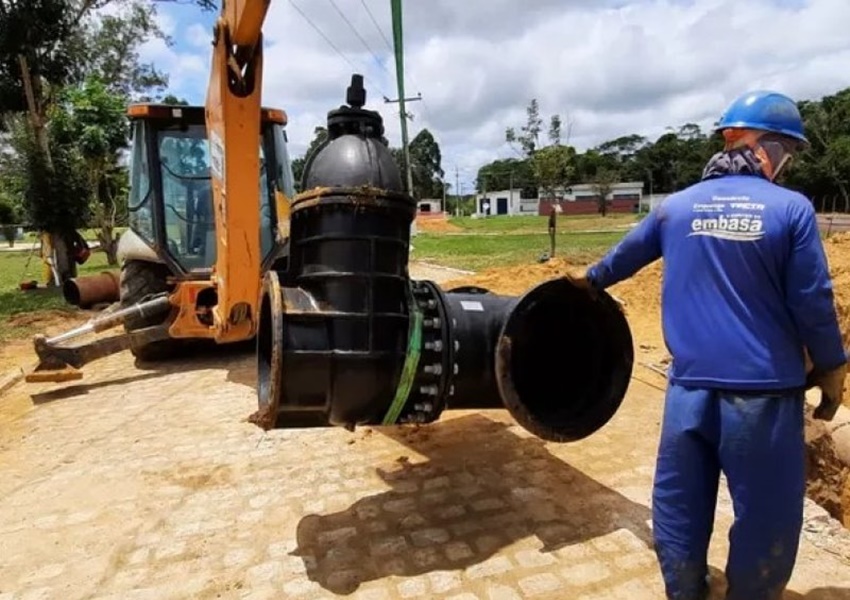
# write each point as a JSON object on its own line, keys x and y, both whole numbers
{"x": 838, "y": 254}
{"x": 437, "y": 223}
{"x": 829, "y": 480}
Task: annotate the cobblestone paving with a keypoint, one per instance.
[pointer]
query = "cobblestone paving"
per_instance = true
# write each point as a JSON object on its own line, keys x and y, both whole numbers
{"x": 141, "y": 483}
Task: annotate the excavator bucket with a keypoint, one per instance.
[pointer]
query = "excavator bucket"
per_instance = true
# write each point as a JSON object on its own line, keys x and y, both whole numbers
{"x": 58, "y": 362}
{"x": 44, "y": 374}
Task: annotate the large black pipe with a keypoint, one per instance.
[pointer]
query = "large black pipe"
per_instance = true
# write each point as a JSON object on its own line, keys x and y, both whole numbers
{"x": 347, "y": 338}
{"x": 563, "y": 361}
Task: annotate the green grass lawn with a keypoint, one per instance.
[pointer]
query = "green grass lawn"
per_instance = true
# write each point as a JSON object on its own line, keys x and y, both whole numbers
{"x": 475, "y": 251}
{"x": 90, "y": 235}
{"x": 539, "y": 224}
{"x": 13, "y": 301}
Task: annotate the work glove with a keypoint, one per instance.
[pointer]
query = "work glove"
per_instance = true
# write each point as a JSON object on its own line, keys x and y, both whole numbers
{"x": 579, "y": 279}
{"x": 831, "y": 384}
{"x": 583, "y": 283}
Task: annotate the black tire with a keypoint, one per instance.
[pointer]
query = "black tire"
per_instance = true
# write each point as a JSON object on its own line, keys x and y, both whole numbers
{"x": 140, "y": 279}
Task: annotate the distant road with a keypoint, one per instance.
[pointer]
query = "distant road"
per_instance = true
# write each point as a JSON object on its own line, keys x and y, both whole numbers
{"x": 834, "y": 222}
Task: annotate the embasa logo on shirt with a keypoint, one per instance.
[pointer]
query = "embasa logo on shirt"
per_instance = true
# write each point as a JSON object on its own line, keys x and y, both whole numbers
{"x": 743, "y": 225}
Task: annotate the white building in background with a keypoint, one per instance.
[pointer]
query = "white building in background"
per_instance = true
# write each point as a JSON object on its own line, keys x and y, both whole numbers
{"x": 631, "y": 190}
{"x": 430, "y": 205}
{"x": 651, "y": 202}
{"x": 582, "y": 198}
{"x": 504, "y": 202}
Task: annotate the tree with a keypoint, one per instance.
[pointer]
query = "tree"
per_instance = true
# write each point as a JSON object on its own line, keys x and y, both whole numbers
{"x": 554, "y": 167}
{"x": 44, "y": 46}
{"x": 555, "y": 130}
{"x": 113, "y": 43}
{"x": 823, "y": 170}
{"x": 10, "y": 216}
{"x": 26, "y": 174}
{"x": 206, "y": 5}
{"x": 320, "y": 136}
{"x": 425, "y": 165}
{"x": 603, "y": 183}
{"x": 91, "y": 118}
{"x": 32, "y": 37}
{"x": 529, "y": 136}
{"x": 504, "y": 174}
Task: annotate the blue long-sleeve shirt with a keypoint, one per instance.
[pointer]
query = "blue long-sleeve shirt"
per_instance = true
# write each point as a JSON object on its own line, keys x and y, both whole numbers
{"x": 746, "y": 284}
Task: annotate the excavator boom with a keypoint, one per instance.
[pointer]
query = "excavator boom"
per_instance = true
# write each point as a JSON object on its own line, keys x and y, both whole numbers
{"x": 203, "y": 224}
{"x": 233, "y": 106}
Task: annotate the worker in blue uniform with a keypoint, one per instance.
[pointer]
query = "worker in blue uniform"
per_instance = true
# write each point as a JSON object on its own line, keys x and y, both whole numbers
{"x": 746, "y": 293}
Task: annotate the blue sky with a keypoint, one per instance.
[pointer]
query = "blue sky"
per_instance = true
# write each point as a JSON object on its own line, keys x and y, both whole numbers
{"x": 607, "y": 67}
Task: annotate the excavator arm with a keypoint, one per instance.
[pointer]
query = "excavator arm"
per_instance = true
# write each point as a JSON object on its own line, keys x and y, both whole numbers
{"x": 233, "y": 106}
{"x": 233, "y": 115}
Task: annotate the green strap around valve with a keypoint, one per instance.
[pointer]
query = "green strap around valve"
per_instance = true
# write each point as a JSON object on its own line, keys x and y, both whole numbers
{"x": 411, "y": 362}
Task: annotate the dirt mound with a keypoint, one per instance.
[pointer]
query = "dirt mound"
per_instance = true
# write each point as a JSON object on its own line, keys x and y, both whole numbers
{"x": 437, "y": 223}
{"x": 835, "y": 492}
{"x": 513, "y": 280}
{"x": 838, "y": 255}
{"x": 828, "y": 480}
{"x": 641, "y": 295}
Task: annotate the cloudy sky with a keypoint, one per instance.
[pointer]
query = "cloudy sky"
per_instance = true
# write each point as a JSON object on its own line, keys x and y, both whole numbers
{"x": 609, "y": 67}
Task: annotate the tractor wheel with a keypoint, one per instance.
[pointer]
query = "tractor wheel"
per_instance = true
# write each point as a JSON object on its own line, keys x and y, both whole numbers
{"x": 139, "y": 279}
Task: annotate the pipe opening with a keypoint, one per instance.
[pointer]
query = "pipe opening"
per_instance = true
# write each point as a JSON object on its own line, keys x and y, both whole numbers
{"x": 89, "y": 290}
{"x": 71, "y": 292}
{"x": 564, "y": 361}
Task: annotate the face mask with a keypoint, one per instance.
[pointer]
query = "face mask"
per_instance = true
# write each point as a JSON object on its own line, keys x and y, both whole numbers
{"x": 775, "y": 154}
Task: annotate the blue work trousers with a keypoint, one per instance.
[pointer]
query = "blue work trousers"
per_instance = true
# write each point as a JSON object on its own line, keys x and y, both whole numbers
{"x": 758, "y": 443}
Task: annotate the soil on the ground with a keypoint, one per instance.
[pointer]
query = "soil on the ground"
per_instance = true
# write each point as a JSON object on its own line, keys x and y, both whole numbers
{"x": 438, "y": 223}
{"x": 829, "y": 479}
{"x": 18, "y": 351}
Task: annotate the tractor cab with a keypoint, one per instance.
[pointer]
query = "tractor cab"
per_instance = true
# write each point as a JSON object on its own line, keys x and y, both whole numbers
{"x": 171, "y": 200}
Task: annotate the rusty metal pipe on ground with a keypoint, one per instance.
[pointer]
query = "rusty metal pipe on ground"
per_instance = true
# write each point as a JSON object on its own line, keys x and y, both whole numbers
{"x": 89, "y": 290}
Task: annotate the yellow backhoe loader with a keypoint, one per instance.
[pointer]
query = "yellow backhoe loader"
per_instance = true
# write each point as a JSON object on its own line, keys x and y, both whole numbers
{"x": 209, "y": 194}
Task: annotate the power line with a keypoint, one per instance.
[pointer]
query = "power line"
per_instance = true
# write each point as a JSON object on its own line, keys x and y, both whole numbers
{"x": 390, "y": 47}
{"x": 322, "y": 33}
{"x": 332, "y": 45}
{"x": 375, "y": 23}
{"x": 360, "y": 37}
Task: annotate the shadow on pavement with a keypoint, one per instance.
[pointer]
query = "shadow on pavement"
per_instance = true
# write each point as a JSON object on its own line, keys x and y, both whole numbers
{"x": 481, "y": 489}
{"x": 237, "y": 358}
{"x": 81, "y": 389}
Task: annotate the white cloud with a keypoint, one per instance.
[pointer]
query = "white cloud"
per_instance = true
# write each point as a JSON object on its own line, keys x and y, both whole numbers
{"x": 186, "y": 71}
{"x": 198, "y": 36}
{"x": 610, "y": 67}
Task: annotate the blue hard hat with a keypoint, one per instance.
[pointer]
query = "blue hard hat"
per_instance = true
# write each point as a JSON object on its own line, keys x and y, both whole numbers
{"x": 766, "y": 111}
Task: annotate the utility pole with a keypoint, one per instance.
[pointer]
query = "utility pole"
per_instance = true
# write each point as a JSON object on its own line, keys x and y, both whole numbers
{"x": 511, "y": 193}
{"x": 405, "y": 146}
{"x": 398, "y": 46}
{"x": 457, "y": 193}
{"x": 444, "y": 198}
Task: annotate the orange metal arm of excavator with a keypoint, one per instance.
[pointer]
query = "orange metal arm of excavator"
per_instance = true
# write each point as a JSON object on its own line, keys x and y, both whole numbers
{"x": 233, "y": 107}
